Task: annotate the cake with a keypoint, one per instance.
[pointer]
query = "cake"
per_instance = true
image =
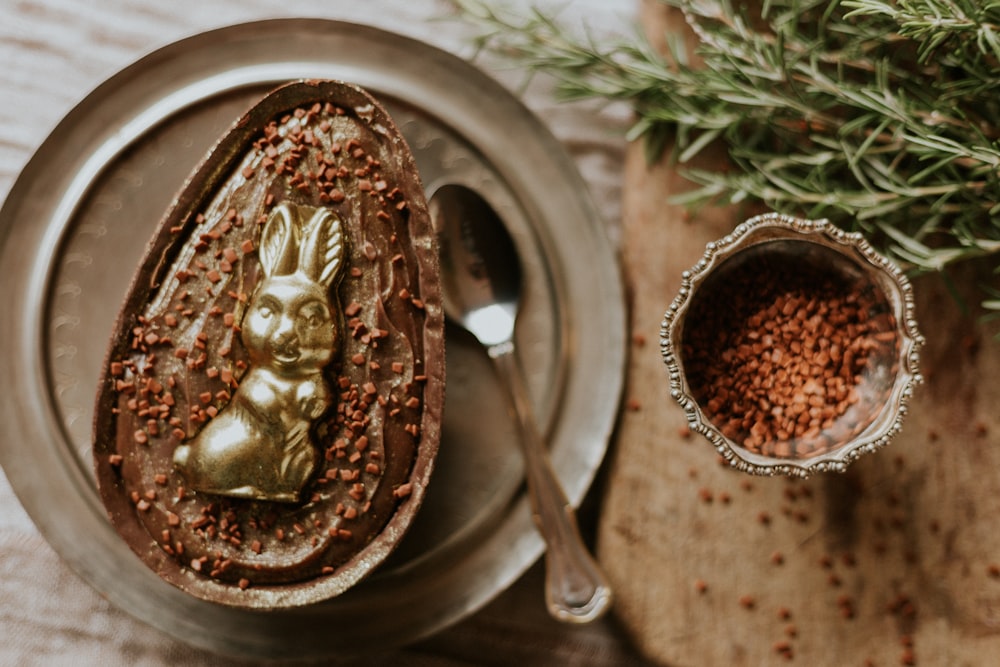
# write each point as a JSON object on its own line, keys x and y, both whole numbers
{"x": 270, "y": 408}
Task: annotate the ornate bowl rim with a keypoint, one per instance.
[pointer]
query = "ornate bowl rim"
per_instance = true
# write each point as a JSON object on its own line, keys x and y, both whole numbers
{"x": 852, "y": 246}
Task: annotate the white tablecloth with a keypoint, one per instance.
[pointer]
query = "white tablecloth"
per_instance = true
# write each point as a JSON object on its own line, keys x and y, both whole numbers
{"x": 52, "y": 54}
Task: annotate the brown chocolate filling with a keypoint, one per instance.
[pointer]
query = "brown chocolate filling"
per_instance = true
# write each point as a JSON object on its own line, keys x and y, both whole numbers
{"x": 177, "y": 357}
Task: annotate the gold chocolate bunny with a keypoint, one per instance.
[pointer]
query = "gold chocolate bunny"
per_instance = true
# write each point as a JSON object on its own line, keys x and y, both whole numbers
{"x": 260, "y": 446}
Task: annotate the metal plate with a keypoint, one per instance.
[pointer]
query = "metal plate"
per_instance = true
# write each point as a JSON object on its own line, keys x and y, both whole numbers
{"x": 76, "y": 223}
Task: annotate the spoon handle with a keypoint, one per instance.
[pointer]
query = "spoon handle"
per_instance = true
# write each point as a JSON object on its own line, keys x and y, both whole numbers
{"x": 576, "y": 590}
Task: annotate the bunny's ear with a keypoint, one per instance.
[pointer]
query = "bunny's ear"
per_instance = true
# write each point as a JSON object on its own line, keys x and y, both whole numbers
{"x": 279, "y": 241}
{"x": 322, "y": 252}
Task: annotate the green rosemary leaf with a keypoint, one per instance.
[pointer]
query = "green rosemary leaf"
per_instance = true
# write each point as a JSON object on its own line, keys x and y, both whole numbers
{"x": 883, "y": 115}
{"x": 704, "y": 139}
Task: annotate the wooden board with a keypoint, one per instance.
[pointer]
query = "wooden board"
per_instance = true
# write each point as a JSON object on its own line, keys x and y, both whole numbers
{"x": 895, "y": 562}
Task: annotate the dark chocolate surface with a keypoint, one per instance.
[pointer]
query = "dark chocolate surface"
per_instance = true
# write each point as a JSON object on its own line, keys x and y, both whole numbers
{"x": 177, "y": 358}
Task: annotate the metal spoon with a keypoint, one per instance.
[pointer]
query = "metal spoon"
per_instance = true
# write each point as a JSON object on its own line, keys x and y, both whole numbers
{"x": 481, "y": 276}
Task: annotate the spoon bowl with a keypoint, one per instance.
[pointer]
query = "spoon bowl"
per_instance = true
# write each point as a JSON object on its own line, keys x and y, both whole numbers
{"x": 482, "y": 283}
{"x": 480, "y": 292}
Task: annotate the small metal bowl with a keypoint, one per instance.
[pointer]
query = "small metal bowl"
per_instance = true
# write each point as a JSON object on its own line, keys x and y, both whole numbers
{"x": 792, "y": 346}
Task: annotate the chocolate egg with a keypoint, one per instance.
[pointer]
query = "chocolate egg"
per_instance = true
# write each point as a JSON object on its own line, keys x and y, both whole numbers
{"x": 270, "y": 408}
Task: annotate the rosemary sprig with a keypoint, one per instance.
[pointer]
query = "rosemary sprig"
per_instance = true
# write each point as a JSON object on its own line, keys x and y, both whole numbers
{"x": 882, "y": 115}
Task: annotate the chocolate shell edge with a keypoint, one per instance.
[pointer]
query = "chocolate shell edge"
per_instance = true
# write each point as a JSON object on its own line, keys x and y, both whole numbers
{"x": 270, "y": 407}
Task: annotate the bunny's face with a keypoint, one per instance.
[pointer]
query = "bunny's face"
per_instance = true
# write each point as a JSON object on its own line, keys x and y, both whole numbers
{"x": 289, "y": 326}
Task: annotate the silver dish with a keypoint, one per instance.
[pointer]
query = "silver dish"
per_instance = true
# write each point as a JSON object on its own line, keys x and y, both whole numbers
{"x": 76, "y": 223}
{"x": 888, "y": 381}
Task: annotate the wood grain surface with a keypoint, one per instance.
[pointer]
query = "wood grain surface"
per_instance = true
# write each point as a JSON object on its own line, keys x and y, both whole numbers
{"x": 895, "y": 562}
